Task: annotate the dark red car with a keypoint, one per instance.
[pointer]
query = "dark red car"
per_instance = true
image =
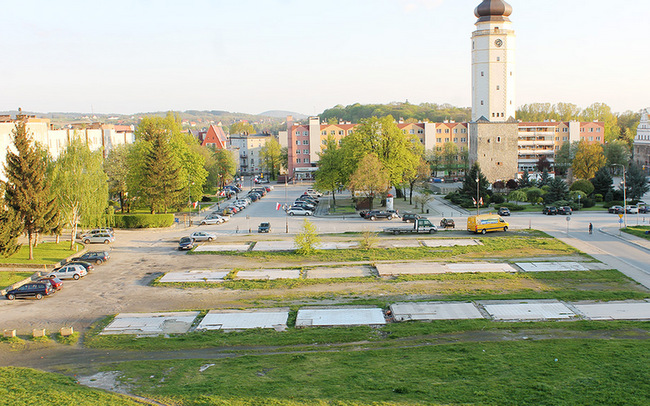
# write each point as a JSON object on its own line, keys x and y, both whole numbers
{"x": 56, "y": 283}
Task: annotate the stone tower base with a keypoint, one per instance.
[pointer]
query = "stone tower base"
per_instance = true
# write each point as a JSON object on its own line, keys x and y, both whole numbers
{"x": 494, "y": 147}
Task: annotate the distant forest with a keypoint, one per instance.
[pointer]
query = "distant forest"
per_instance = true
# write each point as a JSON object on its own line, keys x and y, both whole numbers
{"x": 407, "y": 111}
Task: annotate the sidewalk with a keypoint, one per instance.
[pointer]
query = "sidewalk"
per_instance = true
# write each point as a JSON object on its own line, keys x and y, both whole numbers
{"x": 632, "y": 239}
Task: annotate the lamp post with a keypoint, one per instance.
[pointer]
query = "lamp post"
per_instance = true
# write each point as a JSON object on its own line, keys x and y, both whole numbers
{"x": 477, "y": 194}
{"x": 624, "y": 196}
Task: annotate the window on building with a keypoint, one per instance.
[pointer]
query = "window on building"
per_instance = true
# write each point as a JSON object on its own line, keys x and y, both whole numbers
{"x": 439, "y": 130}
{"x": 297, "y": 142}
{"x": 333, "y": 132}
{"x": 598, "y": 129}
{"x": 340, "y": 142}
{"x": 481, "y": 102}
{"x": 297, "y": 160}
{"x": 492, "y": 114}
{"x": 420, "y": 131}
{"x": 446, "y": 130}
{"x": 455, "y": 139}
{"x": 324, "y": 142}
{"x": 446, "y": 139}
{"x": 482, "y": 74}
{"x": 498, "y": 139}
{"x": 591, "y": 138}
{"x": 438, "y": 139}
{"x": 566, "y": 130}
{"x": 324, "y": 132}
{"x": 463, "y": 130}
{"x": 498, "y": 58}
{"x": 306, "y": 133}
{"x": 455, "y": 130}
{"x": 598, "y": 138}
{"x": 565, "y": 138}
{"x": 498, "y": 87}
{"x": 341, "y": 132}
{"x": 306, "y": 160}
{"x": 421, "y": 140}
{"x": 411, "y": 131}
{"x": 591, "y": 130}
{"x": 305, "y": 151}
{"x": 349, "y": 132}
{"x": 305, "y": 142}
{"x": 463, "y": 140}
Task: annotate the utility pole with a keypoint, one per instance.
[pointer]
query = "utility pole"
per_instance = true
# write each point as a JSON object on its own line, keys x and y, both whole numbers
{"x": 477, "y": 194}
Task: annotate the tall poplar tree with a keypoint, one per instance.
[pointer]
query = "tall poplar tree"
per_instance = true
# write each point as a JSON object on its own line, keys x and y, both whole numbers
{"x": 27, "y": 191}
{"x": 163, "y": 182}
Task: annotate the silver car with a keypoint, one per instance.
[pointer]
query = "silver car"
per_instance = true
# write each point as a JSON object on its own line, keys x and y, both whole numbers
{"x": 202, "y": 236}
{"x": 70, "y": 271}
{"x": 299, "y": 211}
{"x": 100, "y": 238}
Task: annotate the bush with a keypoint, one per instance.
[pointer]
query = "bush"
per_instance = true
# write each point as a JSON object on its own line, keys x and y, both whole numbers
{"x": 583, "y": 185}
{"x": 598, "y": 197}
{"x": 498, "y": 198}
{"x": 143, "y": 220}
{"x": 588, "y": 202}
{"x": 607, "y": 205}
{"x": 511, "y": 206}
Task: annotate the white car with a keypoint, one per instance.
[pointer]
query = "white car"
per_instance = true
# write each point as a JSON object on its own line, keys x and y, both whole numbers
{"x": 202, "y": 236}
{"x": 211, "y": 220}
{"x": 298, "y": 211}
{"x": 70, "y": 271}
{"x": 633, "y": 209}
{"x": 314, "y": 193}
{"x": 101, "y": 238}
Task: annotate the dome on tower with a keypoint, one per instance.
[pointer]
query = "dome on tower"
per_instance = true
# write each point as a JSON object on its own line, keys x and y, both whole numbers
{"x": 493, "y": 10}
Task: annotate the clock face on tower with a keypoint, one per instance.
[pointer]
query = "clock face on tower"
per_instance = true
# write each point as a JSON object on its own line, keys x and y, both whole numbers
{"x": 498, "y": 42}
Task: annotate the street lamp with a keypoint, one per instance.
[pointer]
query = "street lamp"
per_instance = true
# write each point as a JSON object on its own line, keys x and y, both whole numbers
{"x": 477, "y": 194}
{"x": 624, "y": 196}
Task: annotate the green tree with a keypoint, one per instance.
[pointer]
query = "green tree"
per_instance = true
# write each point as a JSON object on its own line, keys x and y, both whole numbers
{"x": 469, "y": 183}
{"x": 635, "y": 183}
{"x": 80, "y": 186}
{"x": 617, "y": 152}
{"x": 398, "y": 152}
{"x": 544, "y": 179}
{"x": 589, "y": 158}
{"x": 271, "y": 157}
{"x": 602, "y": 182}
{"x": 525, "y": 182}
{"x": 116, "y": 167}
{"x": 164, "y": 183}
{"x": 27, "y": 191}
{"x": 518, "y": 196}
{"x": 284, "y": 158}
{"x": 421, "y": 174}
{"x": 370, "y": 178}
{"x": 533, "y": 194}
{"x": 583, "y": 185}
{"x": 557, "y": 190}
{"x": 225, "y": 165}
{"x": 10, "y": 227}
{"x": 242, "y": 127}
{"x": 307, "y": 240}
{"x": 564, "y": 157}
{"x": 602, "y": 112}
{"x": 329, "y": 176}
{"x": 450, "y": 157}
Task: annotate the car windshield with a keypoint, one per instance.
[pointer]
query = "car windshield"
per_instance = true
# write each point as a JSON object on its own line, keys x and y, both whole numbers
{"x": 186, "y": 239}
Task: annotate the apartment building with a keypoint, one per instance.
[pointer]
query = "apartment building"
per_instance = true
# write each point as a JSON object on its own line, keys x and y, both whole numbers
{"x": 247, "y": 149}
{"x": 96, "y": 135}
{"x": 641, "y": 146}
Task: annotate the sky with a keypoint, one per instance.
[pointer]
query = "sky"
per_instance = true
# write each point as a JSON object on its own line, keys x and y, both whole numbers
{"x": 250, "y": 56}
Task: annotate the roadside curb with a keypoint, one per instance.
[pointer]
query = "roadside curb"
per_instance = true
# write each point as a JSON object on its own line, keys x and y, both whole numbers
{"x": 620, "y": 237}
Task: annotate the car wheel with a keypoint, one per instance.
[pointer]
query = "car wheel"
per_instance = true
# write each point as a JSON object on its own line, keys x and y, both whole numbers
{"x": 106, "y": 241}
{"x": 307, "y": 214}
{"x": 209, "y": 238}
{"x": 39, "y": 296}
{"x": 291, "y": 214}
{"x": 483, "y": 231}
{"x": 86, "y": 241}
{"x": 390, "y": 218}
{"x": 373, "y": 218}
{"x": 396, "y": 232}
{"x": 202, "y": 223}
{"x": 75, "y": 277}
{"x": 432, "y": 231}
{"x": 505, "y": 228}
{"x": 98, "y": 262}
{"x": 11, "y": 296}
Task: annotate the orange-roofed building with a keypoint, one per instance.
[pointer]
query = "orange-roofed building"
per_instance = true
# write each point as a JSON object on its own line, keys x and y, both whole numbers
{"x": 215, "y": 137}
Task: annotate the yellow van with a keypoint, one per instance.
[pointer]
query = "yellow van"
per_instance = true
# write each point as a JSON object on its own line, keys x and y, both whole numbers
{"x": 486, "y": 222}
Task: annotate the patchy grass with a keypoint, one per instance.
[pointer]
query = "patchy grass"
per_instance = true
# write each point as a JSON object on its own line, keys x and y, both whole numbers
{"x": 67, "y": 340}
{"x": 503, "y": 373}
{"x": 639, "y": 231}
{"x": 47, "y": 253}
{"x": 24, "y": 386}
{"x": 9, "y": 278}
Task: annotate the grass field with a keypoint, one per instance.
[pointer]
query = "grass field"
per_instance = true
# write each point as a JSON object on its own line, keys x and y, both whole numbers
{"x": 23, "y": 386}
{"x": 10, "y": 277}
{"x": 639, "y": 231}
{"x": 44, "y": 253}
{"x": 549, "y": 372}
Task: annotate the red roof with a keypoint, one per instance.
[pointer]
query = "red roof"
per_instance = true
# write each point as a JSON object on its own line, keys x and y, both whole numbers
{"x": 215, "y": 136}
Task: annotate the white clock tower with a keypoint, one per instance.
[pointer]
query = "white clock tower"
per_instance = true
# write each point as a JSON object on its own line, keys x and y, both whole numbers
{"x": 493, "y": 63}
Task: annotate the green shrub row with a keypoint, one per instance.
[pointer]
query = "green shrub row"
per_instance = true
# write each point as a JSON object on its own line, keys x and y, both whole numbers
{"x": 511, "y": 206}
{"x": 143, "y": 220}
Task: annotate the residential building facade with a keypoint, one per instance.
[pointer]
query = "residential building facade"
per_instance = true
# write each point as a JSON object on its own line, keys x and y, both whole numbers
{"x": 248, "y": 151}
{"x": 641, "y": 146}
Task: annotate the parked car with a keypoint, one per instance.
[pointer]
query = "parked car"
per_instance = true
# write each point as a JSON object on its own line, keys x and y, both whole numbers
{"x": 69, "y": 272}
{"x": 503, "y": 211}
{"x": 87, "y": 265}
{"x": 447, "y": 223}
{"x": 100, "y": 238}
{"x": 566, "y": 210}
{"x": 212, "y": 220}
{"x": 410, "y": 217}
{"x": 395, "y": 213}
{"x": 96, "y": 257}
{"x": 186, "y": 243}
{"x": 264, "y": 228}
{"x": 37, "y": 290}
{"x": 300, "y": 203}
{"x": 203, "y": 236}
{"x": 549, "y": 210}
{"x": 378, "y": 214}
{"x": 643, "y": 208}
{"x": 616, "y": 209}
{"x": 299, "y": 211}
{"x": 109, "y": 230}
{"x": 632, "y": 209}
{"x": 57, "y": 283}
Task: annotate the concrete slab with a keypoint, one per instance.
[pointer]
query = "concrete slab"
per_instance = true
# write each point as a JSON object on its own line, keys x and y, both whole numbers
{"x": 427, "y": 268}
{"x": 507, "y": 310}
{"x": 464, "y": 242}
{"x": 275, "y": 246}
{"x": 340, "y": 272}
{"x": 435, "y": 311}
{"x": 194, "y": 276}
{"x": 151, "y": 323}
{"x": 399, "y": 244}
{"x": 620, "y": 310}
{"x": 480, "y": 267}
{"x": 269, "y": 274}
{"x": 551, "y": 266}
{"x": 343, "y": 316}
{"x": 230, "y": 320}
{"x": 338, "y": 245}
{"x": 222, "y": 247}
